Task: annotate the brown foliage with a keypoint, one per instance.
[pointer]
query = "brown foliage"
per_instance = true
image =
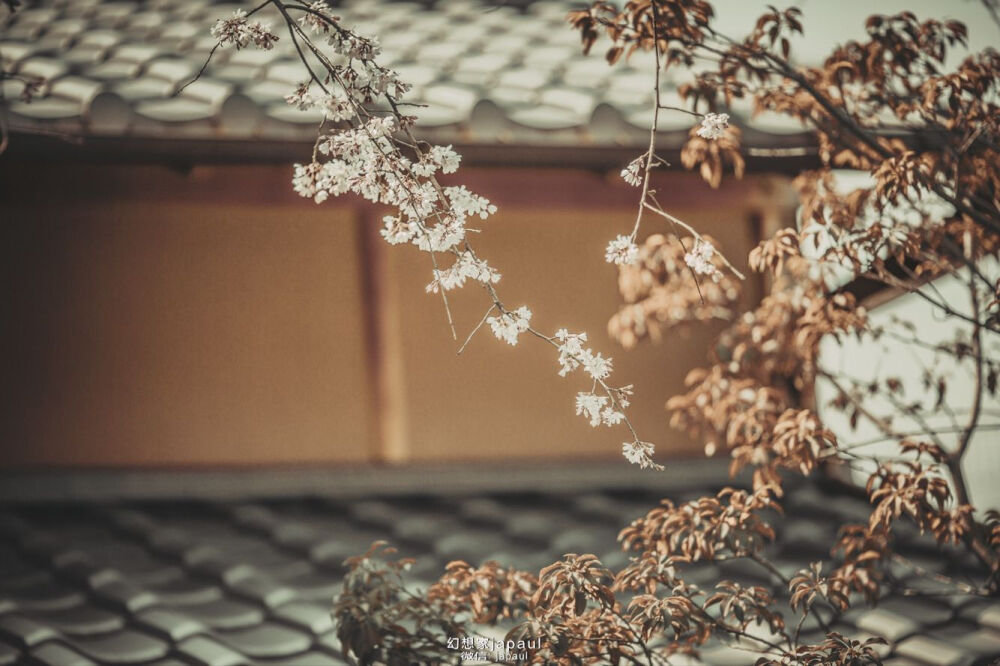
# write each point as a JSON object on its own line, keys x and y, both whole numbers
{"x": 928, "y": 140}
{"x": 661, "y": 292}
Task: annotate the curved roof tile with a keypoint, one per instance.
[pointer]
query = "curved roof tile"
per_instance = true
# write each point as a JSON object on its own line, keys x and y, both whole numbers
{"x": 489, "y": 73}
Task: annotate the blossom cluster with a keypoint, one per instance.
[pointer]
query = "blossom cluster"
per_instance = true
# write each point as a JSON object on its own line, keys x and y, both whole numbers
{"x": 598, "y": 409}
{"x": 622, "y": 251}
{"x": 700, "y": 260}
{"x": 640, "y": 453}
{"x": 240, "y": 32}
{"x": 713, "y": 125}
{"x": 509, "y": 325}
{"x": 467, "y": 266}
{"x": 631, "y": 174}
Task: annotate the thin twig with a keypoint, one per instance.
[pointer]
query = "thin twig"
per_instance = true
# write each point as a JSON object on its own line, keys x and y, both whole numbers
{"x": 478, "y": 326}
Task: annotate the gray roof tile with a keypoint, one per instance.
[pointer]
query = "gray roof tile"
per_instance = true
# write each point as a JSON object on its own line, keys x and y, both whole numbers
{"x": 290, "y": 72}
{"x": 985, "y": 613}
{"x": 775, "y": 123}
{"x": 169, "y": 624}
{"x": 255, "y": 57}
{"x": 488, "y": 73}
{"x": 490, "y": 63}
{"x": 177, "y": 110}
{"x": 525, "y": 78}
{"x": 206, "y": 651}
{"x": 267, "y": 640}
{"x": 238, "y": 74}
{"x": 881, "y": 622}
{"x": 67, "y": 27}
{"x": 309, "y": 616}
{"x": 115, "y": 69}
{"x": 289, "y": 114}
{"x": 144, "y": 89}
{"x": 589, "y": 71}
{"x": 239, "y": 116}
{"x": 24, "y": 632}
{"x": 126, "y": 646}
{"x": 439, "y": 54}
{"x": 181, "y": 31}
{"x": 85, "y": 8}
{"x": 209, "y": 91}
{"x": 511, "y": 97}
{"x": 76, "y": 88}
{"x": 933, "y": 652}
{"x": 418, "y": 74}
{"x": 146, "y": 20}
{"x": 56, "y": 654}
{"x": 264, "y": 93}
{"x": 547, "y": 117}
{"x": 54, "y": 44}
{"x": 511, "y": 44}
{"x": 47, "y": 68}
{"x": 203, "y": 621}
{"x": 457, "y": 98}
{"x": 14, "y": 52}
{"x": 8, "y": 655}
{"x": 978, "y": 641}
{"x": 113, "y": 13}
{"x": 47, "y": 108}
{"x": 104, "y": 39}
{"x": 549, "y": 57}
{"x": 82, "y": 55}
{"x": 573, "y": 99}
{"x": 173, "y": 70}
{"x": 11, "y": 88}
{"x": 429, "y": 24}
{"x": 38, "y": 15}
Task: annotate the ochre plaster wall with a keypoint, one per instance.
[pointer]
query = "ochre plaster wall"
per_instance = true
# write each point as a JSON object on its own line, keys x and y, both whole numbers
{"x": 210, "y": 317}
{"x": 153, "y": 317}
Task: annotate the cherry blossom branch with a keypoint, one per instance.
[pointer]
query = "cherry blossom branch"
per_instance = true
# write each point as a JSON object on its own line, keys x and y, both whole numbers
{"x": 294, "y": 30}
{"x": 659, "y": 211}
{"x": 365, "y": 156}
{"x": 623, "y": 250}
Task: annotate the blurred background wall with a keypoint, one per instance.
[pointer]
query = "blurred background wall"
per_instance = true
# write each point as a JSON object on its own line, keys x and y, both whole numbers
{"x": 208, "y": 316}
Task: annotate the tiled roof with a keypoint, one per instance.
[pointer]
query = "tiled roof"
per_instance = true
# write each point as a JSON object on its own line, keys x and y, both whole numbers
{"x": 506, "y": 73}
{"x": 250, "y": 582}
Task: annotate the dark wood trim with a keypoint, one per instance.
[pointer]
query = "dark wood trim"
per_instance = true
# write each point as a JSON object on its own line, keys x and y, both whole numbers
{"x": 185, "y": 152}
{"x": 384, "y": 344}
{"x": 351, "y": 481}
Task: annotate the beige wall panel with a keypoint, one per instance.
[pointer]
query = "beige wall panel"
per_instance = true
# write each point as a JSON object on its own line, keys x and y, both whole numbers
{"x": 497, "y": 402}
{"x": 154, "y": 317}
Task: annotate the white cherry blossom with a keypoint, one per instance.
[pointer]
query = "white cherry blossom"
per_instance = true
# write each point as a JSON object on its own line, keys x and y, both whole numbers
{"x": 700, "y": 260}
{"x": 571, "y": 350}
{"x": 509, "y": 325}
{"x": 713, "y": 125}
{"x": 238, "y": 31}
{"x": 622, "y": 251}
{"x": 640, "y": 453}
{"x": 467, "y": 266}
{"x": 596, "y": 365}
{"x": 632, "y": 173}
{"x": 590, "y": 405}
